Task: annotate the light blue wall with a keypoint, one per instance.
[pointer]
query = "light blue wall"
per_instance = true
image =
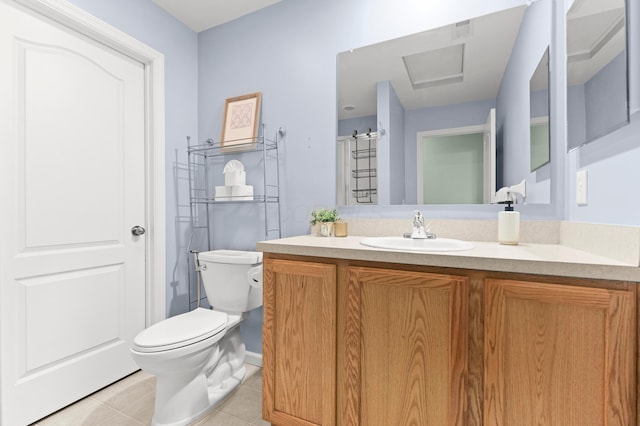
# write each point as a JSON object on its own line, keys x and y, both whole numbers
{"x": 613, "y": 178}
{"x": 390, "y": 158}
{"x": 396, "y": 145}
{"x": 612, "y": 161}
{"x": 539, "y": 105}
{"x": 598, "y": 106}
{"x": 383, "y": 146}
{"x": 361, "y": 124}
{"x": 513, "y": 105}
{"x": 576, "y": 116}
{"x": 153, "y": 26}
{"x": 288, "y": 52}
{"x": 606, "y": 98}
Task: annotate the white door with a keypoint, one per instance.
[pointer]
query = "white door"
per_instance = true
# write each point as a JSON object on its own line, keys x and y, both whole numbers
{"x": 72, "y": 182}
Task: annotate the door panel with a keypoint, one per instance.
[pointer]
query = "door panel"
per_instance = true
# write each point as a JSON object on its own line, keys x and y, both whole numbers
{"x": 299, "y": 343}
{"x": 55, "y": 296}
{"x": 72, "y": 277}
{"x": 71, "y": 124}
{"x": 407, "y": 351}
{"x": 558, "y": 354}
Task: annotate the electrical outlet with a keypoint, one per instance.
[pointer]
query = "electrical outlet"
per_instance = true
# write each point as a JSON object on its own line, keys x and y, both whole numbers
{"x": 581, "y": 187}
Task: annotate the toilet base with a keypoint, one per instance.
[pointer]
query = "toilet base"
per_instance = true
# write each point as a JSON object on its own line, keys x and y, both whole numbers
{"x": 216, "y": 395}
{"x": 220, "y": 392}
{"x": 179, "y": 404}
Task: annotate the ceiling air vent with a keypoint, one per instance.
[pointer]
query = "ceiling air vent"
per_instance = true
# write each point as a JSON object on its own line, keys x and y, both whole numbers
{"x": 435, "y": 67}
{"x": 462, "y": 29}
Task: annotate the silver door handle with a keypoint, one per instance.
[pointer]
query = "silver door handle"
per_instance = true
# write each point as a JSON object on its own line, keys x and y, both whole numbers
{"x": 138, "y": 230}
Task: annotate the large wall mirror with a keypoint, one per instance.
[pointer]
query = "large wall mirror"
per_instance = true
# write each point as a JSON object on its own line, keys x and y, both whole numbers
{"x": 540, "y": 136}
{"x": 597, "y": 72}
{"x": 430, "y": 101}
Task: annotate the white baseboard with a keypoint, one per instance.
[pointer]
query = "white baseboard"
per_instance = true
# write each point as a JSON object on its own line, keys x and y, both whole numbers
{"x": 253, "y": 358}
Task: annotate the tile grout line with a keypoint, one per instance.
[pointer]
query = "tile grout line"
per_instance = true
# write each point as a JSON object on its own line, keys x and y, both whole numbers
{"x": 112, "y": 409}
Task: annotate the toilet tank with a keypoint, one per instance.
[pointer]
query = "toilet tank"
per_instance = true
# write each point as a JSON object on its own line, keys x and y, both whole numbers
{"x": 232, "y": 279}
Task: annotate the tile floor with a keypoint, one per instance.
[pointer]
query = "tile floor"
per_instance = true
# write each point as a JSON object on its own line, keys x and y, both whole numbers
{"x": 129, "y": 402}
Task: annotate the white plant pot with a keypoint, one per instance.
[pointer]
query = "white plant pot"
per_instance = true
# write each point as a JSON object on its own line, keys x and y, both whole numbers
{"x": 326, "y": 229}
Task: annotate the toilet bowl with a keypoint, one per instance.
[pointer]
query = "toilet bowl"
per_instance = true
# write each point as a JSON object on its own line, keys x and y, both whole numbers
{"x": 198, "y": 357}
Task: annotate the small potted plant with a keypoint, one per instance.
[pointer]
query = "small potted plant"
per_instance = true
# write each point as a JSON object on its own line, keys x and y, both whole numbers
{"x": 325, "y": 218}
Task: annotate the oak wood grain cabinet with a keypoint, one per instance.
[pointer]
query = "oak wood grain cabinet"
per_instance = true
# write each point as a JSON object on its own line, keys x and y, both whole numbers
{"x": 559, "y": 355}
{"x": 299, "y": 343}
{"x": 355, "y": 343}
{"x": 407, "y": 350}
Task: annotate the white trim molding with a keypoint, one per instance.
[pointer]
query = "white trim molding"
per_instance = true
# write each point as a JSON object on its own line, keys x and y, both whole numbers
{"x": 253, "y": 358}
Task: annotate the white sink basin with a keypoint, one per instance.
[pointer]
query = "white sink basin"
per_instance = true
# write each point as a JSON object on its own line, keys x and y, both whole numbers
{"x": 409, "y": 244}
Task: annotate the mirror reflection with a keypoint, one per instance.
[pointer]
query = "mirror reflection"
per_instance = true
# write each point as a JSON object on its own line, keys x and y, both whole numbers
{"x": 465, "y": 157}
{"x": 424, "y": 103}
{"x": 597, "y": 94}
{"x": 357, "y": 171}
{"x": 539, "y": 110}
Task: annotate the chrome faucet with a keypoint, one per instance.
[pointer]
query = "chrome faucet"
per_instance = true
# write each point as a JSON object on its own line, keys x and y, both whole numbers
{"x": 419, "y": 231}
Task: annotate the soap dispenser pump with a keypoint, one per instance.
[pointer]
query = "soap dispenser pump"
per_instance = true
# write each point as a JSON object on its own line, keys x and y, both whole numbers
{"x": 509, "y": 219}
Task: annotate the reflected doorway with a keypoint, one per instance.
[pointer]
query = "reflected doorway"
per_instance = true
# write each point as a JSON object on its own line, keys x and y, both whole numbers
{"x": 457, "y": 165}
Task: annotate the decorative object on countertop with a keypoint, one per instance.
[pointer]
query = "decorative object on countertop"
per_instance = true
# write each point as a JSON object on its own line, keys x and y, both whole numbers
{"x": 240, "y": 124}
{"x": 235, "y": 187}
{"x": 509, "y": 220}
{"x": 326, "y": 219}
{"x": 340, "y": 229}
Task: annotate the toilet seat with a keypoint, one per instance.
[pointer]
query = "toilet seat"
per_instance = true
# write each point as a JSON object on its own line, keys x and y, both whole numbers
{"x": 181, "y": 330}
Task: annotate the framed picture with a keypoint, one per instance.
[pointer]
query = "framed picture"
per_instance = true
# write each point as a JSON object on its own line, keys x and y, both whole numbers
{"x": 240, "y": 125}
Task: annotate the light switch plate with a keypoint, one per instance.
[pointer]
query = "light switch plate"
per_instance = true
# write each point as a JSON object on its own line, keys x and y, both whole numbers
{"x": 581, "y": 187}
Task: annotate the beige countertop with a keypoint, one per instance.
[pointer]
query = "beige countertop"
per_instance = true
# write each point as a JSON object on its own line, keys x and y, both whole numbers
{"x": 546, "y": 259}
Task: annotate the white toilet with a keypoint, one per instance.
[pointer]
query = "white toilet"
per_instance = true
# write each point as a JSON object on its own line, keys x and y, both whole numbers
{"x": 198, "y": 357}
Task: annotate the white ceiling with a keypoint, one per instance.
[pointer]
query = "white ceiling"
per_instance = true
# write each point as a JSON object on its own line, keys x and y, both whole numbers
{"x": 200, "y": 15}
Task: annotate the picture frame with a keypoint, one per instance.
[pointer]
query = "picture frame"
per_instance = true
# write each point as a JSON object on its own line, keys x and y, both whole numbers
{"x": 240, "y": 123}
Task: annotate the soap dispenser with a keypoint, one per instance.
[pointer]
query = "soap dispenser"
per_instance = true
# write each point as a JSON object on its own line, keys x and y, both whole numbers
{"x": 509, "y": 219}
{"x": 509, "y": 225}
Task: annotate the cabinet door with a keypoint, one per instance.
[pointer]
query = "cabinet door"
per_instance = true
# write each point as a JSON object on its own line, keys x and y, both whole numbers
{"x": 299, "y": 343}
{"x": 558, "y": 355}
{"x": 406, "y": 348}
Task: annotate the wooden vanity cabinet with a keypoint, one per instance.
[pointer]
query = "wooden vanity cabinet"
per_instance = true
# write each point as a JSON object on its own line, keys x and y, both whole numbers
{"x": 365, "y": 344}
{"x": 299, "y": 343}
{"x": 559, "y": 355}
{"x": 406, "y": 335}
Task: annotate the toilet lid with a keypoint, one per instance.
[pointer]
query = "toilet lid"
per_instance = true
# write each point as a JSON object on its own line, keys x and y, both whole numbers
{"x": 237, "y": 257}
{"x": 181, "y": 330}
